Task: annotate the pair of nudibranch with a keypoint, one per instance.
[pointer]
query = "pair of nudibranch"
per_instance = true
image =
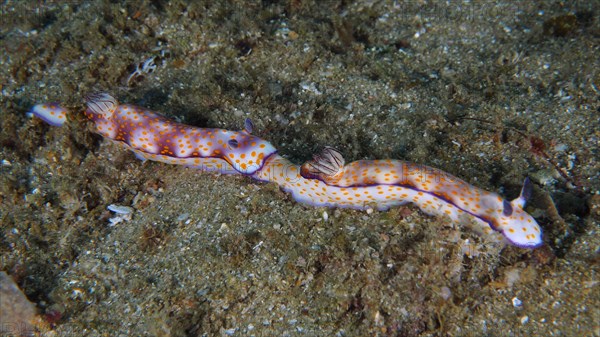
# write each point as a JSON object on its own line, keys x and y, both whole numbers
{"x": 324, "y": 181}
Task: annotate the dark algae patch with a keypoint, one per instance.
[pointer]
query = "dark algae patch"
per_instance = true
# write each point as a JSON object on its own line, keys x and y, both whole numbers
{"x": 491, "y": 93}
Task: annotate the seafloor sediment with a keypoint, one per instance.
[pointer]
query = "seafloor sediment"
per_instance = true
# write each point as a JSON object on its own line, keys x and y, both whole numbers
{"x": 490, "y": 93}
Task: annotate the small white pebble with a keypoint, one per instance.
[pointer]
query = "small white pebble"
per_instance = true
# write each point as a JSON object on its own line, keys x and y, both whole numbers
{"x": 560, "y": 147}
{"x": 516, "y": 302}
{"x": 406, "y": 106}
{"x": 524, "y": 319}
{"x": 325, "y": 216}
{"x": 120, "y": 209}
{"x": 369, "y": 210}
{"x": 445, "y": 292}
{"x": 117, "y": 219}
{"x": 230, "y": 332}
{"x": 310, "y": 87}
{"x": 419, "y": 33}
{"x": 379, "y": 319}
{"x": 258, "y": 245}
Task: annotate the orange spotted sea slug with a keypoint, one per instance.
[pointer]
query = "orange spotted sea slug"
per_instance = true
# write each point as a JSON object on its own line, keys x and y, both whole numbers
{"x": 387, "y": 183}
{"x": 152, "y": 136}
{"x": 324, "y": 181}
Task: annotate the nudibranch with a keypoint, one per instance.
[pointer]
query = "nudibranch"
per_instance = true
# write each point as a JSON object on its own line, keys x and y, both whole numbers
{"x": 51, "y": 113}
{"x": 152, "y": 136}
{"x": 326, "y": 180}
{"x": 387, "y": 183}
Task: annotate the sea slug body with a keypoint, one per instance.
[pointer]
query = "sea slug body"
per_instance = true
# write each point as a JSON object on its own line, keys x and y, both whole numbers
{"x": 51, "y": 113}
{"x": 155, "y": 137}
{"x": 389, "y": 183}
{"x": 324, "y": 181}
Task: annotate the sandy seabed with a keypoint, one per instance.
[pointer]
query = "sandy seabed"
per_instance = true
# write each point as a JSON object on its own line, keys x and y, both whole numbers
{"x": 491, "y": 93}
